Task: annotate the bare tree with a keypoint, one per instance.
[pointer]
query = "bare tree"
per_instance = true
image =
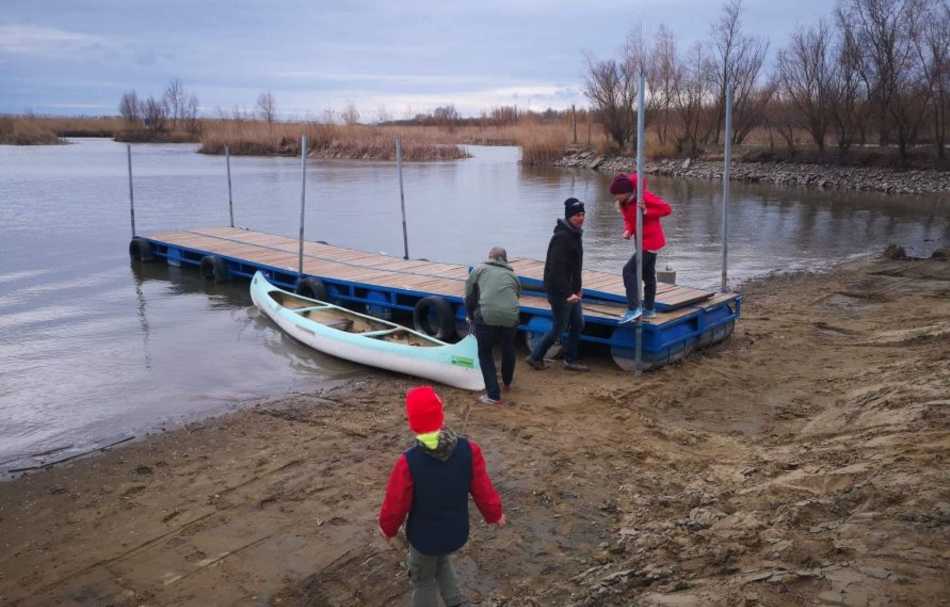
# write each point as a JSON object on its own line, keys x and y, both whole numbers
{"x": 190, "y": 116}
{"x": 846, "y": 109}
{"x": 350, "y": 114}
{"x": 690, "y": 102}
{"x": 175, "y": 100}
{"x": 667, "y": 80}
{"x": 446, "y": 115}
{"x": 382, "y": 115}
{"x": 931, "y": 38}
{"x": 881, "y": 30}
{"x": 267, "y": 107}
{"x": 155, "y": 114}
{"x": 129, "y": 107}
{"x": 611, "y": 87}
{"x": 805, "y": 72}
{"x": 739, "y": 61}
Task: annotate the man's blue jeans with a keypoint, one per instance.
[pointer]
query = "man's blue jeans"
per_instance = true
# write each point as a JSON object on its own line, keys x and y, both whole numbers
{"x": 567, "y": 317}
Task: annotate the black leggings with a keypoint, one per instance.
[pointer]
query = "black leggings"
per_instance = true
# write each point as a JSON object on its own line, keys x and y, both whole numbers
{"x": 649, "y": 280}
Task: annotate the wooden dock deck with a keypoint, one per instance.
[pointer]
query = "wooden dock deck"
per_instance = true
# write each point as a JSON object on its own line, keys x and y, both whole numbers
{"x": 447, "y": 280}
{"x": 684, "y": 315}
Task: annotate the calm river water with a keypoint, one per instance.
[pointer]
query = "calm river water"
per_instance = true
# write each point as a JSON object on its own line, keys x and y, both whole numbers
{"x": 93, "y": 349}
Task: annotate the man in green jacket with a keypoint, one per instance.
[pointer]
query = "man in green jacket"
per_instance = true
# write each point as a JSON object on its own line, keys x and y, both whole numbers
{"x": 491, "y": 300}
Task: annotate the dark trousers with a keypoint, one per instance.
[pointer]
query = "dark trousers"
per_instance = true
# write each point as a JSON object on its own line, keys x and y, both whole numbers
{"x": 649, "y": 280}
{"x": 567, "y": 317}
{"x": 488, "y": 336}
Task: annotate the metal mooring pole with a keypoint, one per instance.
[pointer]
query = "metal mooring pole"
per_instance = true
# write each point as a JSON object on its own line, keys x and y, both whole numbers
{"x": 727, "y": 165}
{"x": 639, "y": 242}
{"x": 128, "y": 149}
{"x": 402, "y": 201}
{"x": 227, "y": 159}
{"x": 303, "y": 200}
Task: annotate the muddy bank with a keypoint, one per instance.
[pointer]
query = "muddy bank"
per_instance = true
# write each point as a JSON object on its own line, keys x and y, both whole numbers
{"x": 804, "y": 462}
{"x": 785, "y": 174}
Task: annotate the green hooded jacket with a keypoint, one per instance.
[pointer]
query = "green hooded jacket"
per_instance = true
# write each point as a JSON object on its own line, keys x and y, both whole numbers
{"x": 491, "y": 294}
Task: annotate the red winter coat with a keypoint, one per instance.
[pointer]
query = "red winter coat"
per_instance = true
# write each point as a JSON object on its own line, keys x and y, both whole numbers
{"x": 656, "y": 207}
{"x": 398, "y": 500}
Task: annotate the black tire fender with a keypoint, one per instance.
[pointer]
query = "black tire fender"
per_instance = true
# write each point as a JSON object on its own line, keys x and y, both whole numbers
{"x": 140, "y": 249}
{"x": 215, "y": 268}
{"x": 434, "y": 316}
{"x": 312, "y": 288}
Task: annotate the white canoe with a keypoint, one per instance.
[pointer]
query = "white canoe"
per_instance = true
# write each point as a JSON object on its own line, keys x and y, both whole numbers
{"x": 368, "y": 340}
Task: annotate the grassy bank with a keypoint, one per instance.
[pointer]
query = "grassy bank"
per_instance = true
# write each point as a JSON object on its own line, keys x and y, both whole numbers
{"x": 26, "y": 132}
{"x": 325, "y": 140}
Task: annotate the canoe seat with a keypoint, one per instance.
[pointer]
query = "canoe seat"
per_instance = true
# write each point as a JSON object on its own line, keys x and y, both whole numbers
{"x": 344, "y": 324}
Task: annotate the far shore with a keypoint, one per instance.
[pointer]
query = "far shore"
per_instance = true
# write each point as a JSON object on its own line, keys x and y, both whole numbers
{"x": 542, "y": 144}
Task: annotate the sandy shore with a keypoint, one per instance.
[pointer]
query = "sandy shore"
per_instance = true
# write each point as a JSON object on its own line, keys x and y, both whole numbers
{"x": 804, "y": 462}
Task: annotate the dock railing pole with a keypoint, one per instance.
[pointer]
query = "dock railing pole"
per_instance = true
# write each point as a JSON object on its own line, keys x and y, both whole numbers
{"x": 639, "y": 240}
{"x": 303, "y": 200}
{"x": 727, "y": 164}
{"x": 402, "y": 201}
{"x": 128, "y": 149}
{"x": 227, "y": 160}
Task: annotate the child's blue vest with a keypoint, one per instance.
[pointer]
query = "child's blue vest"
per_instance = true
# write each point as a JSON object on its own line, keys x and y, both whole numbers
{"x": 438, "y": 521}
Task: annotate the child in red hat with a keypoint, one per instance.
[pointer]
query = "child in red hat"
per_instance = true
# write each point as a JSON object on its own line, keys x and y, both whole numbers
{"x": 430, "y": 483}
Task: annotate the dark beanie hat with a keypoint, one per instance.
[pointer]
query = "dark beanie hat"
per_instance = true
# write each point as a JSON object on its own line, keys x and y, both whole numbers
{"x": 572, "y": 206}
{"x": 621, "y": 185}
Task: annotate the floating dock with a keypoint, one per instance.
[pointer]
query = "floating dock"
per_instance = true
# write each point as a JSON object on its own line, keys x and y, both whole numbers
{"x": 433, "y": 292}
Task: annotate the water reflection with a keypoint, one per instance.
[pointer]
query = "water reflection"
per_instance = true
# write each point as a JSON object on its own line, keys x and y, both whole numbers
{"x": 90, "y": 347}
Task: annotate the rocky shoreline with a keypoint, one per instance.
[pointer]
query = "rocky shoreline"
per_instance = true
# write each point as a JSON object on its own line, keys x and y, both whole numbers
{"x": 785, "y": 174}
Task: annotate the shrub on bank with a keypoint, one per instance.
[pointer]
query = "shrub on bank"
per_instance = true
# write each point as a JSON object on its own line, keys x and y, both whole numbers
{"x": 324, "y": 140}
{"x": 20, "y": 131}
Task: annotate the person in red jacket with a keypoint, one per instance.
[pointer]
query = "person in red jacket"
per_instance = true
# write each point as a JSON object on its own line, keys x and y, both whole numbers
{"x": 624, "y": 188}
{"x": 430, "y": 483}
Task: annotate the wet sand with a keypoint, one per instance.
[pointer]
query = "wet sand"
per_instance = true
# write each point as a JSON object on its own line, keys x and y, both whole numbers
{"x": 803, "y": 462}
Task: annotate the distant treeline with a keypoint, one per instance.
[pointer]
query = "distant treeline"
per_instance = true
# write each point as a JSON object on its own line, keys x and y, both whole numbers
{"x": 874, "y": 71}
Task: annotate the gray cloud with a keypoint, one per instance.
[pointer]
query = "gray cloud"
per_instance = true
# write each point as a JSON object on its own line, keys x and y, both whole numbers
{"x": 313, "y": 55}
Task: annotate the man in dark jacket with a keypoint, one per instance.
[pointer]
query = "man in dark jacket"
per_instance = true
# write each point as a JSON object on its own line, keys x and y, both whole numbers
{"x": 491, "y": 300}
{"x": 562, "y": 283}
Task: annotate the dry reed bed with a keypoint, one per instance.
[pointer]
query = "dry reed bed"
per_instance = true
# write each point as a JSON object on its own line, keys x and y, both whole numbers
{"x": 26, "y": 132}
{"x": 325, "y": 141}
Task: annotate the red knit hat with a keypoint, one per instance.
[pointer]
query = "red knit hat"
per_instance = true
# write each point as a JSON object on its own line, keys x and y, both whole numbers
{"x": 622, "y": 184}
{"x": 424, "y": 410}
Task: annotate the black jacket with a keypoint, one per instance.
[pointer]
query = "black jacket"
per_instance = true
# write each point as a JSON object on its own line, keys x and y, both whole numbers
{"x": 562, "y": 266}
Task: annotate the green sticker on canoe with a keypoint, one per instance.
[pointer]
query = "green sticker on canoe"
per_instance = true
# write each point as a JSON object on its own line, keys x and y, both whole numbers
{"x": 463, "y": 361}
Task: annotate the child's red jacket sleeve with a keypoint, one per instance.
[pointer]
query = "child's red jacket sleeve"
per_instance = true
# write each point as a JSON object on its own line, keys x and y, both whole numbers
{"x": 398, "y": 498}
{"x": 481, "y": 488}
{"x": 656, "y": 206}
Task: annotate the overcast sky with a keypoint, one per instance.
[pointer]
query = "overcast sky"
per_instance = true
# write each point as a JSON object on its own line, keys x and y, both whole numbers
{"x": 78, "y": 56}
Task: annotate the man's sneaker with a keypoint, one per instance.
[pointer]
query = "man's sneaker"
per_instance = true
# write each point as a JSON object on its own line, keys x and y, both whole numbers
{"x": 631, "y": 315}
{"x": 506, "y": 387}
{"x": 487, "y": 400}
{"x": 649, "y": 313}
{"x": 575, "y": 366}
{"x": 536, "y": 364}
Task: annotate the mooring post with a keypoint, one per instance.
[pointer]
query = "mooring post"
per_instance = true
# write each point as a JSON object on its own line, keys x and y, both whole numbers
{"x": 227, "y": 160}
{"x": 128, "y": 149}
{"x": 574, "y": 121}
{"x": 590, "y": 123}
{"x": 727, "y": 164}
{"x": 639, "y": 240}
{"x": 303, "y": 201}
{"x": 402, "y": 201}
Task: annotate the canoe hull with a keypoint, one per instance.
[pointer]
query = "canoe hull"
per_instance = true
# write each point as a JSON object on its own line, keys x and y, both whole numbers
{"x": 451, "y": 364}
